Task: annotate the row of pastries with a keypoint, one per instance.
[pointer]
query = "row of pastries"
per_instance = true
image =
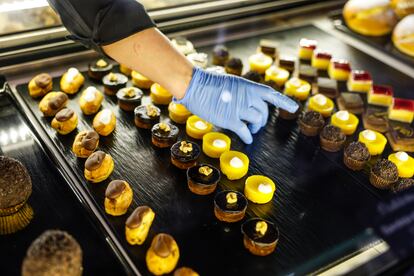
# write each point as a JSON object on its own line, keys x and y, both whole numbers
{"x": 295, "y": 76}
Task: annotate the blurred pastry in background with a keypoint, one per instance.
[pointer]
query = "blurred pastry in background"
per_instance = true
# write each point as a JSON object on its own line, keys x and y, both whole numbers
{"x": 40, "y": 85}
{"x": 220, "y": 55}
{"x": 198, "y": 59}
{"x": 65, "y": 121}
{"x": 71, "y": 81}
{"x": 403, "y": 7}
{"x": 185, "y": 271}
{"x": 52, "y": 103}
{"x": 125, "y": 70}
{"x": 372, "y": 18}
{"x": 403, "y": 35}
{"x": 234, "y": 66}
{"x": 54, "y": 252}
{"x": 183, "y": 45}
{"x": 141, "y": 81}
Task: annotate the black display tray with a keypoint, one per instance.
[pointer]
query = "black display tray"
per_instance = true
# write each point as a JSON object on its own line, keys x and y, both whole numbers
{"x": 383, "y": 43}
{"x": 54, "y": 204}
{"x": 316, "y": 200}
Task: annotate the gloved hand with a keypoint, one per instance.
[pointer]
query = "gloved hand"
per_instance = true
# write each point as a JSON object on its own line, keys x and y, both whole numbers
{"x": 232, "y": 102}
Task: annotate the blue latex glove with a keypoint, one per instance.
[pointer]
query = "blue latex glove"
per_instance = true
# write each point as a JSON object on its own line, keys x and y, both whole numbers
{"x": 232, "y": 102}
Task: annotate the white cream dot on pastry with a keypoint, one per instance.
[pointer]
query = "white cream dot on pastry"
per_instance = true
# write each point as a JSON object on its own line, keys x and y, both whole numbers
{"x": 236, "y": 162}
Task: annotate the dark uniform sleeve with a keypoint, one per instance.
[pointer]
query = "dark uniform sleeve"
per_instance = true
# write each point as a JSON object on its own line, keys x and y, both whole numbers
{"x": 100, "y": 22}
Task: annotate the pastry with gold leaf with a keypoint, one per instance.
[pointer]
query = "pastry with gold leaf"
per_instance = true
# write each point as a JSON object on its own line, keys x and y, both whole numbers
{"x": 184, "y": 154}
{"x": 260, "y": 236}
{"x": 65, "y": 121}
{"x": 98, "y": 69}
{"x": 86, "y": 142}
{"x": 164, "y": 135}
{"x": 162, "y": 257}
{"x": 40, "y": 85}
{"x": 202, "y": 179}
{"x": 104, "y": 122}
{"x": 52, "y": 103}
{"x": 112, "y": 82}
{"x": 146, "y": 116}
{"x": 91, "y": 100}
{"x": 129, "y": 98}
{"x": 138, "y": 225}
{"x": 230, "y": 206}
{"x": 98, "y": 167}
{"x": 118, "y": 197}
{"x": 71, "y": 81}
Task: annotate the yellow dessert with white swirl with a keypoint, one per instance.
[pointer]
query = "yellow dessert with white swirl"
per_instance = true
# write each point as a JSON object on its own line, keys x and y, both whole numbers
{"x": 234, "y": 164}
{"x": 374, "y": 141}
{"x": 215, "y": 143}
{"x": 404, "y": 163}
{"x": 197, "y": 127}
{"x": 346, "y": 121}
{"x": 259, "y": 189}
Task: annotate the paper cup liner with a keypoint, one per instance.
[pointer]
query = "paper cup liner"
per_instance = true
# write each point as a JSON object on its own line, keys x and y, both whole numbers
{"x": 16, "y": 221}
{"x": 331, "y": 146}
{"x": 353, "y": 164}
{"x": 379, "y": 182}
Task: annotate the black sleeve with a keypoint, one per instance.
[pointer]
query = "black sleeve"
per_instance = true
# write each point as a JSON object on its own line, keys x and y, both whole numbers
{"x": 100, "y": 22}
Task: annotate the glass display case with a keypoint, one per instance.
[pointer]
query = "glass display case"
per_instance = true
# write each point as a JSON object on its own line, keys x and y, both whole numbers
{"x": 317, "y": 197}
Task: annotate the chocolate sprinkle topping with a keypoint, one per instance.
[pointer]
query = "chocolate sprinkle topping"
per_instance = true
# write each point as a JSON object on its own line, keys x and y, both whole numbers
{"x": 64, "y": 115}
{"x": 313, "y": 118}
{"x": 57, "y": 101}
{"x": 357, "y": 151}
{"x": 15, "y": 182}
{"x": 43, "y": 80}
{"x": 89, "y": 140}
{"x": 135, "y": 219}
{"x": 402, "y": 185}
{"x": 115, "y": 189}
{"x": 162, "y": 245}
{"x": 386, "y": 170}
{"x": 95, "y": 160}
{"x": 333, "y": 133}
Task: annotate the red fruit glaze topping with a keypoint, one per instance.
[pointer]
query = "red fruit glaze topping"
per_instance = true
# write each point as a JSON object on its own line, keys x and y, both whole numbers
{"x": 403, "y": 104}
{"x": 341, "y": 64}
{"x": 323, "y": 55}
{"x": 382, "y": 90}
{"x": 308, "y": 43}
{"x": 360, "y": 75}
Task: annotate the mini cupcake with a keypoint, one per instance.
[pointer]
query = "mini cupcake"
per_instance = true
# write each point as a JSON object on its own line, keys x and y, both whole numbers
{"x": 332, "y": 138}
{"x": 253, "y": 76}
{"x": 164, "y": 135}
{"x": 118, "y": 197}
{"x": 98, "y": 69}
{"x": 112, "y": 82}
{"x": 54, "y": 252}
{"x": 146, "y": 116}
{"x": 311, "y": 123}
{"x": 230, "y": 206}
{"x": 220, "y": 55}
{"x": 129, "y": 98}
{"x": 234, "y": 66}
{"x": 402, "y": 184}
{"x": 184, "y": 154}
{"x": 286, "y": 115}
{"x": 260, "y": 236}
{"x": 202, "y": 179}
{"x": 356, "y": 155}
{"x": 383, "y": 174}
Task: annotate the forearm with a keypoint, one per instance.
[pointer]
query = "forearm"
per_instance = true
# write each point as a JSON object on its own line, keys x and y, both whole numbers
{"x": 151, "y": 53}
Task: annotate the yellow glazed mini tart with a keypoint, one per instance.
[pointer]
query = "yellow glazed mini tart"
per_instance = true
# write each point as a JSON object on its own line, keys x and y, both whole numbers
{"x": 260, "y": 62}
{"x": 404, "y": 163}
{"x": 277, "y": 74}
{"x": 98, "y": 167}
{"x": 90, "y": 100}
{"x": 321, "y": 104}
{"x": 118, "y": 197}
{"x": 374, "y": 141}
{"x": 297, "y": 88}
{"x": 197, "y": 127}
{"x": 162, "y": 257}
{"x": 178, "y": 113}
{"x": 160, "y": 95}
{"x": 141, "y": 81}
{"x": 234, "y": 164}
{"x": 71, "y": 81}
{"x": 138, "y": 225}
{"x": 346, "y": 121}
{"x": 259, "y": 189}
{"x": 104, "y": 122}
{"x": 215, "y": 143}
{"x": 65, "y": 121}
